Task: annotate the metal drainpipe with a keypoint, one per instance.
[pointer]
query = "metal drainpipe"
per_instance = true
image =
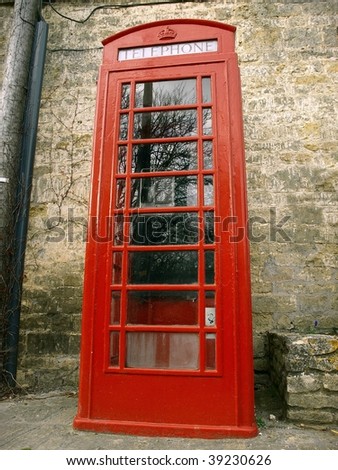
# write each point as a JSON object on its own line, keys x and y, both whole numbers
{"x": 30, "y": 125}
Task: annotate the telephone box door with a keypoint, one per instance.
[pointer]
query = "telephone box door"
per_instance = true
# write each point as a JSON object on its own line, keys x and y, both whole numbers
{"x": 166, "y": 335}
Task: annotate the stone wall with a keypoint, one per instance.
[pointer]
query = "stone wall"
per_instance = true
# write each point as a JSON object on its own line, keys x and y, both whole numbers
{"x": 286, "y": 51}
{"x": 304, "y": 369}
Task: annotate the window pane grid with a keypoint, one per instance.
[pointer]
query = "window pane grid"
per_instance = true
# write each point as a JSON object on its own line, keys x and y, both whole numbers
{"x": 125, "y": 168}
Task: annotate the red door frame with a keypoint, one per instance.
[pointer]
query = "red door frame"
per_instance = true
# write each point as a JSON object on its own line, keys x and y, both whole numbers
{"x": 115, "y": 400}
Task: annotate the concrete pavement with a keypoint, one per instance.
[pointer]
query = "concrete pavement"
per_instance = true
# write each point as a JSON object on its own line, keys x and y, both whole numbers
{"x": 45, "y": 422}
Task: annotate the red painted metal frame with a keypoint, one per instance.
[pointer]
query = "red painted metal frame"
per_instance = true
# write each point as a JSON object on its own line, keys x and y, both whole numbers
{"x": 200, "y": 403}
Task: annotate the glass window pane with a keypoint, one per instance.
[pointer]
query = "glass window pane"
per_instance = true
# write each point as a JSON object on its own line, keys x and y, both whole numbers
{"x": 117, "y": 267}
{"x": 118, "y": 229}
{"x": 209, "y": 267}
{"x": 162, "y": 308}
{"x": 164, "y": 229}
{"x": 210, "y": 351}
{"x": 207, "y": 155}
{"x": 115, "y": 308}
{"x": 120, "y": 193}
{"x": 144, "y": 95}
{"x": 209, "y": 229}
{"x": 162, "y": 350}
{"x": 208, "y": 190}
{"x": 162, "y": 124}
{"x": 114, "y": 348}
{"x": 206, "y": 90}
{"x": 207, "y": 122}
{"x": 163, "y": 267}
{"x": 164, "y": 192}
{"x": 175, "y": 156}
{"x": 124, "y": 119}
{"x": 122, "y": 159}
{"x": 186, "y": 191}
{"x": 165, "y": 93}
{"x": 125, "y": 96}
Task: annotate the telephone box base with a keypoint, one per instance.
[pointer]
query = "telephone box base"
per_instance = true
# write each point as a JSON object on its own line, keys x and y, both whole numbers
{"x": 164, "y": 429}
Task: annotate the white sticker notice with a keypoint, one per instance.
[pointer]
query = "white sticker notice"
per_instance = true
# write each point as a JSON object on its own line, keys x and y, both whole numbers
{"x": 210, "y": 316}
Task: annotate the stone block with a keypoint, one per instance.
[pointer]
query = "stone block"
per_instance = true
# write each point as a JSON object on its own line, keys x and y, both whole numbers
{"x": 314, "y": 345}
{"x": 330, "y": 382}
{"x": 322, "y": 344}
{"x": 308, "y": 215}
{"x": 310, "y": 416}
{"x": 259, "y": 344}
{"x": 324, "y": 363}
{"x": 313, "y": 303}
{"x": 295, "y": 364}
{"x": 302, "y": 384}
{"x": 60, "y": 373}
{"x": 74, "y": 344}
{"x": 47, "y": 343}
{"x": 261, "y": 364}
{"x": 312, "y": 400}
{"x": 52, "y": 321}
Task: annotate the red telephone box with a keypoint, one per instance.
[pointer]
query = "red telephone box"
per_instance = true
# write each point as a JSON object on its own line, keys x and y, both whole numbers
{"x": 166, "y": 333}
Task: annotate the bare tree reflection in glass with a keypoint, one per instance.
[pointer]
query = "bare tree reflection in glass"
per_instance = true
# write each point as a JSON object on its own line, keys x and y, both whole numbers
{"x": 163, "y": 267}
{"x": 164, "y": 191}
{"x": 125, "y": 96}
{"x": 164, "y": 229}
